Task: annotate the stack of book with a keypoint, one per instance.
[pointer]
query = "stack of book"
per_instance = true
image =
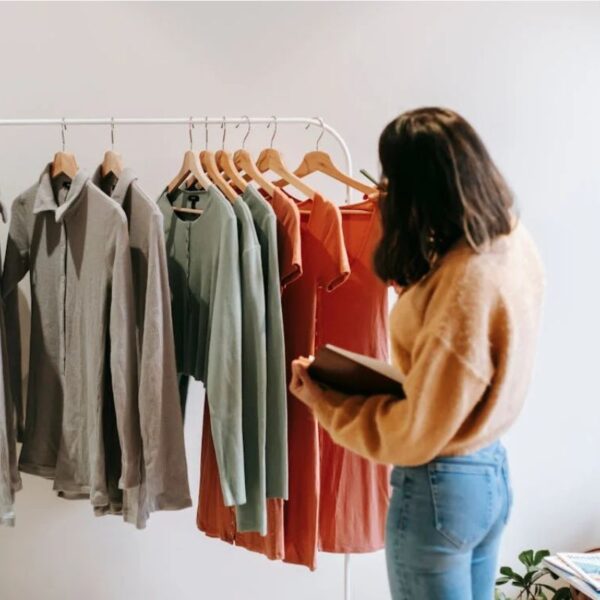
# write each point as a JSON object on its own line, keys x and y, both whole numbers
{"x": 581, "y": 571}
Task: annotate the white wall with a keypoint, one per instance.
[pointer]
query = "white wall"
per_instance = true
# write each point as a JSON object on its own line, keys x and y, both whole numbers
{"x": 526, "y": 75}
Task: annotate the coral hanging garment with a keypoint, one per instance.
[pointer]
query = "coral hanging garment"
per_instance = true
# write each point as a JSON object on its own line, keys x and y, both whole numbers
{"x": 354, "y": 492}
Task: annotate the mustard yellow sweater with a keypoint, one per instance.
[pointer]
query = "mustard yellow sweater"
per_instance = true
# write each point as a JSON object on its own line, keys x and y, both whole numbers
{"x": 465, "y": 339}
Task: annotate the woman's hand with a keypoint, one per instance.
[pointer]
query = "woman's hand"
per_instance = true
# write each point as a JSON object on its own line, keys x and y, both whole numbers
{"x": 302, "y": 385}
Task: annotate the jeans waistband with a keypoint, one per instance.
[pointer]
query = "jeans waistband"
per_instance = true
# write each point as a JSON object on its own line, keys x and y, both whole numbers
{"x": 494, "y": 454}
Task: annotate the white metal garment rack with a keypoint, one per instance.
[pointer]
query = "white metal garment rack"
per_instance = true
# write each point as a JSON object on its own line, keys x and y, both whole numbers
{"x": 114, "y": 121}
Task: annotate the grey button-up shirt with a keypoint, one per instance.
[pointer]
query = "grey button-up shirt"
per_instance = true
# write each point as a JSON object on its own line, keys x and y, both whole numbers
{"x": 164, "y": 470}
{"x": 204, "y": 275}
{"x": 83, "y": 346}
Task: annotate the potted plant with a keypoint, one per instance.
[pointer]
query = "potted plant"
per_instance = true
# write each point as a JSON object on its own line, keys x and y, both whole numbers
{"x": 533, "y": 583}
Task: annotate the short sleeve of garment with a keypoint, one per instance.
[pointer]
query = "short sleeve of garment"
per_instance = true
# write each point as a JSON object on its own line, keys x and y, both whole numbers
{"x": 326, "y": 225}
{"x": 288, "y": 237}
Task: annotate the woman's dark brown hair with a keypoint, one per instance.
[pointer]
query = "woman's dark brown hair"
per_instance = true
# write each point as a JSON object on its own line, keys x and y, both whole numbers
{"x": 439, "y": 185}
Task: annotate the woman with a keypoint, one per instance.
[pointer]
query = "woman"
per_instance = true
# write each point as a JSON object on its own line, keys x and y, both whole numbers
{"x": 463, "y": 332}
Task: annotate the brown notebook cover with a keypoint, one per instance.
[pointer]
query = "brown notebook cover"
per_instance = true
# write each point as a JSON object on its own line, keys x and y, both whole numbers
{"x": 353, "y": 373}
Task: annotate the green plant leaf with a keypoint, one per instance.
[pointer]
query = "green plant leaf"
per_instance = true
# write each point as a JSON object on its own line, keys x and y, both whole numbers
{"x": 502, "y": 580}
{"x": 539, "y": 556}
{"x": 526, "y": 557}
{"x": 563, "y": 593}
{"x": 507, "y": 571}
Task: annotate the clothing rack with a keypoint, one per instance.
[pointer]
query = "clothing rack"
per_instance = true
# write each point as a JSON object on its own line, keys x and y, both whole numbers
{"x": 112, "y": 122}
{"x": 223, "y": 121}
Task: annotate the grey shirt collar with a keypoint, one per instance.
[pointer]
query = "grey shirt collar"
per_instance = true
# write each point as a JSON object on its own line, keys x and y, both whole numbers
{"x": 44, "y": 197}
{"x": 122, "y": 186}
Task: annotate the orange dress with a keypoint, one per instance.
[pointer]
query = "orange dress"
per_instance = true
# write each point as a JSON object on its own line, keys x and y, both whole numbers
{"x": 354, "y": 492}
{"x": 325, "y": 267}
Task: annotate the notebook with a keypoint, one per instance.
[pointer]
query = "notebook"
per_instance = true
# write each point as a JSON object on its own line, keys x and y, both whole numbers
{"x": 354, "y": 373}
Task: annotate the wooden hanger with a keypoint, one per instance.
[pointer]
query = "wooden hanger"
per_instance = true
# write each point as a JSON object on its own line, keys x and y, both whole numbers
{"x": 112, "y": 163}
{"x": 189, "y": 166}
{"x": 64, "y": 163}
{"x": 225, "y": 164}
{"x": 271, "y": 160}
{"x": 318, "y": 161}
{"x": 244, "y": 163}
{"x": 209, "y": 164}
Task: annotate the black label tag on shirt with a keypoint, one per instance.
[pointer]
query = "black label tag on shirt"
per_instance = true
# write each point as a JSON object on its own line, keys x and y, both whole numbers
{"x": 193, "y": 200}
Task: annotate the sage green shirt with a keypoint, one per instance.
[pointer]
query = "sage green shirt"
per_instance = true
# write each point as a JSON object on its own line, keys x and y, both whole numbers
{"x": 204, "y": 276}
{"x": 252, "y": 516}
{"x": 265, "y": 222}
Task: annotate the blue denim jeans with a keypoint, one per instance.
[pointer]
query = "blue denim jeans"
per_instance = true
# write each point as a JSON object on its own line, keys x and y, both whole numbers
{"x": 444, "y": 526}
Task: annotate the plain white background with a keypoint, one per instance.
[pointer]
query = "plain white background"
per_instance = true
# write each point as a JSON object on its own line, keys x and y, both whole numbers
{"x": 526, "y": 75}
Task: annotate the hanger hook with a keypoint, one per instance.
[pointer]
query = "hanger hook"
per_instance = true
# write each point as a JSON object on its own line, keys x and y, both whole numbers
{"x": 275, "y": 131}
{"x": 190, "y": 132}
{"x": 247, "y": 131}
{"x": 224, "y": 128}
{"x": 322, "y": 129}
{"x": 206, "y": 133}
{"x": 63, "y": 133}
{"x": 112, "y": 133}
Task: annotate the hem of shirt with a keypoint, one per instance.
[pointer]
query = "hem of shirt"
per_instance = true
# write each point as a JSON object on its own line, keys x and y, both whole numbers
{"x": 277, "y": 495}
{"x": 294, "y": 560}
{"x": 44, "y": 471}
{"x": 218, "y": 536}
{"x": 108, "y": 509}
{"x": 71, "y": 490}
{"x": 162, "y": 505}
{"x": 251, "y": 528}
{"x": 139, "y": 516}
{"x": 352, "y": 549}
{"x": 232, "y": 499}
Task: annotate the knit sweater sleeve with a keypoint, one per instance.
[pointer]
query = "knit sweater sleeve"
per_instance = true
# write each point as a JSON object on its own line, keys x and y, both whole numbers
{"x": 451, "y": 368}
